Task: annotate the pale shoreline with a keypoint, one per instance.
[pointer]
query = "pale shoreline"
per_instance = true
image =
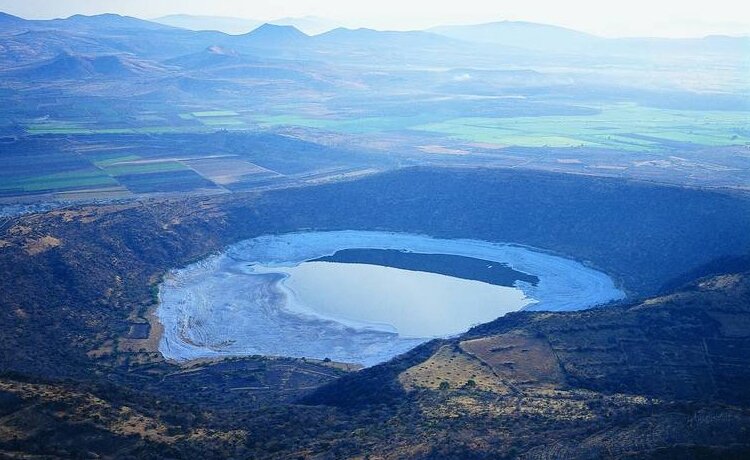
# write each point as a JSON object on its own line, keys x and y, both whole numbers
{"x": 201, "y": 306}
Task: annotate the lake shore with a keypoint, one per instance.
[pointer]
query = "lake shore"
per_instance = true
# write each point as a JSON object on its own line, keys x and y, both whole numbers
{"x": 234, "y": 303}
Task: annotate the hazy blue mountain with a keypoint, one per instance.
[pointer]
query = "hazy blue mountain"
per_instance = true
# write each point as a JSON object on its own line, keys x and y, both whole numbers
{"x": 219, "y": 63}
{"x": 67, "y": 66}
{"x": 311, "y": 25}
{"x": 229, "y": 25}
{"x": 102, "y": 22}
{"x": 212, "y": 57}
{"x": 102, "y": 34}
{"x": 27, "y": 46}
{"x": 525, "y": 43}
{"x": 273, "y": 36}
{"x": 9, "y": 21}
{"x": 522, "y": 35}
{"x": 555, "y": 39}
{"x": 375, "y": 38}
{"x": 64, "y": 67}
{"x": 413, "y": 47}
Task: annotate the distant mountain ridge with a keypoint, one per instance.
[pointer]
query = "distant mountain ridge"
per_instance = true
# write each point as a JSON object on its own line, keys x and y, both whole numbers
{"x": 67, "y": 66}
{"x": 228, "y": 25}
{"x": 273, "y": 36}
{"x": 552, "y": 38}
{"x": 106, "y": 20}
{"x": 83, "y": 22}
{"x": 378, "y": 37}
{"x": 214, "y": 56}
{"x": 509, "y": 35}
{"x": 520, "y": 34}
{"x": 8, "y": 19}
{"x": 30, "y": 42}
{"x": 310, "y": 25}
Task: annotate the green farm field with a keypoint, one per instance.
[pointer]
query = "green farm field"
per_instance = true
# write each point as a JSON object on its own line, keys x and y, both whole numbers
{"x": 346, "y": 125}
{"x": 150, "y": 167}
{"x": 69, "y": 180}
{"x": 627, "y": 127}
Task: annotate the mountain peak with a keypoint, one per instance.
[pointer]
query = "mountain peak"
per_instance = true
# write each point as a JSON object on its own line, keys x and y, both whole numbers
{"x": 212, "y": 57}
{"x": 521, "y": 34}
{"x": 71, "y": 66}
{"x": 108, "y": 20}
{"x": 276, "y": 32}
{"x": 4, "y": 16}
{"x": 9, "y": 19}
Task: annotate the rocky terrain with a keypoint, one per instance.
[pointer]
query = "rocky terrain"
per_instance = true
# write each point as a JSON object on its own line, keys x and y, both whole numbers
{"x": 663, "y": 374}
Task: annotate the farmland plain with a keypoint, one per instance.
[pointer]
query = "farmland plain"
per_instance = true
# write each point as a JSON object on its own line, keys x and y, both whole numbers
{"x": 217, "y": 100}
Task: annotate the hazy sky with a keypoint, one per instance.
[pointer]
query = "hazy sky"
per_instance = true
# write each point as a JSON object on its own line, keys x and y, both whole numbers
{"x": 603, "y": 17}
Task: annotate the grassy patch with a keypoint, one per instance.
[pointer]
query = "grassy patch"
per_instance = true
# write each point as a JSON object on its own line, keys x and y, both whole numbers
{"x": 109, "y": 160}
{"x": 620, "y": 127}
{"x": 222, "y": 122}
{"x": 346, "y": 125}
{"x": 215, "y": 113}
{"x": 40, "y": 130}
{"x": 144, "y": 168}
{"x": 59, "y": 181}
{"x": 167, "y": 181}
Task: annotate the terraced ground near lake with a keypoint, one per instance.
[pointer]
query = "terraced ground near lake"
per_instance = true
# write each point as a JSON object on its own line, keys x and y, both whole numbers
{"x": 674, "y": 361}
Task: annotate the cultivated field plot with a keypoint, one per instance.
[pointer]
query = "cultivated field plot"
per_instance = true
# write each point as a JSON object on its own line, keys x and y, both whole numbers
{"x": 353, "y": 125}
{"x": 96, "y": 150}
{"x": 217, "y": 119}
{"x": 449, "y": 368}
{"x": 71, "y": 127}
{"x": 625, "y": 127}
{"x": 225, "y": 170}
{"x": 176, "y": 181}
{"x": 628, "y": 127}
{"x": 64, "y": 118}
{"x": 94, "y": 166}
{"x": 64, "y": 181}
{"x": 517, "y": 357}
{"x": 39, "y": 167}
